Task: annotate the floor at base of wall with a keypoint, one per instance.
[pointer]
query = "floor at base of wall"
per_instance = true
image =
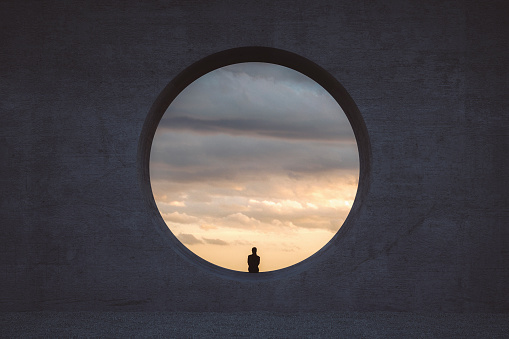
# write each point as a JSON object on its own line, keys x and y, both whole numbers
{"x": 253, "y": 324}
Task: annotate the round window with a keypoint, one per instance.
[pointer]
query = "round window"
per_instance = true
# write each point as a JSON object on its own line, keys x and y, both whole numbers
{"x": 254, "y": 147}
{"x": 254, "y": 154}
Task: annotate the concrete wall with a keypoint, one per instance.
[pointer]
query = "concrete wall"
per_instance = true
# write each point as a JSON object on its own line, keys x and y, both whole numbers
{"x": 430, "y": 79}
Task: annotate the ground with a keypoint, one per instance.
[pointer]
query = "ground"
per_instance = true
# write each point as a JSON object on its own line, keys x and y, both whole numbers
{"x": 253, "y": 324}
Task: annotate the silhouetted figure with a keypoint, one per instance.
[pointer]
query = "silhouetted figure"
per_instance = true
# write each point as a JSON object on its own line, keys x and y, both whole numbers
{"x": 253, "y": 261}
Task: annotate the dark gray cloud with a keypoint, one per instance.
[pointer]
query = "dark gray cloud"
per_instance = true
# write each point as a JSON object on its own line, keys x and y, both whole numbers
{"x": 289, "y": 129}
{"x": 258, "y": 99}
{"x": 188, "y": 157}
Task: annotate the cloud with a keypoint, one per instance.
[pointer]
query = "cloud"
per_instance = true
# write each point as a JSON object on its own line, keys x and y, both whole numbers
{"x": 259, "y": 99}
{"x": 208, "y": 227}
{"x": 180, "y": 218}
{"x": 251, "y": 120}
{"x": 274, "y": 72}
{"x": 287, "y": 129}
{"x": 177, "y": 203}
{"x": 184, "y": 157}
{"x": 274, "y": 204}
{"x": 215, "y": 242}
{"x": 188, "y": 239}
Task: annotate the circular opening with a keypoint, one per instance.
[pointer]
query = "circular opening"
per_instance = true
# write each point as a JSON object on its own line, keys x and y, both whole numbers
{"x": 253, "y": 153}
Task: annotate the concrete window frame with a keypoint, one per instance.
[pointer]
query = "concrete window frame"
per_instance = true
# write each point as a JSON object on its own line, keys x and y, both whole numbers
{"x": 240, "y": 55}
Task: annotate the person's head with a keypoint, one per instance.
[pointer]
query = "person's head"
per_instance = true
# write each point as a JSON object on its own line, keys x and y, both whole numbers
{"x": 254, "y": 250}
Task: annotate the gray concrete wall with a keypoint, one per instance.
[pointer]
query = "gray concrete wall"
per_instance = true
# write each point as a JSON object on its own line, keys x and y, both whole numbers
{"x": 430, "y": 79}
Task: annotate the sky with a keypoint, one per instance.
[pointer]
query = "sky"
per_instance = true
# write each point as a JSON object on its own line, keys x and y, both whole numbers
{"x": 254, "y": 155}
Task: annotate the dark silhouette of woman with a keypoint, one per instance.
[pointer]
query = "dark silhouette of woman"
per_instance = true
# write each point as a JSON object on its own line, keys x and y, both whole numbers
{"x": 253, "y": 261}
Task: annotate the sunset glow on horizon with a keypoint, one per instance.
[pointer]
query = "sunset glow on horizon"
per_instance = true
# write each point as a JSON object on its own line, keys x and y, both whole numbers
{"x": 254, "y": 154}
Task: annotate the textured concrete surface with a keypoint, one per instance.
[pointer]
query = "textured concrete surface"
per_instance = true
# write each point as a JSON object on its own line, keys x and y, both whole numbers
{"x": 77, "y": 80}
{"x": 253, "y": 325}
